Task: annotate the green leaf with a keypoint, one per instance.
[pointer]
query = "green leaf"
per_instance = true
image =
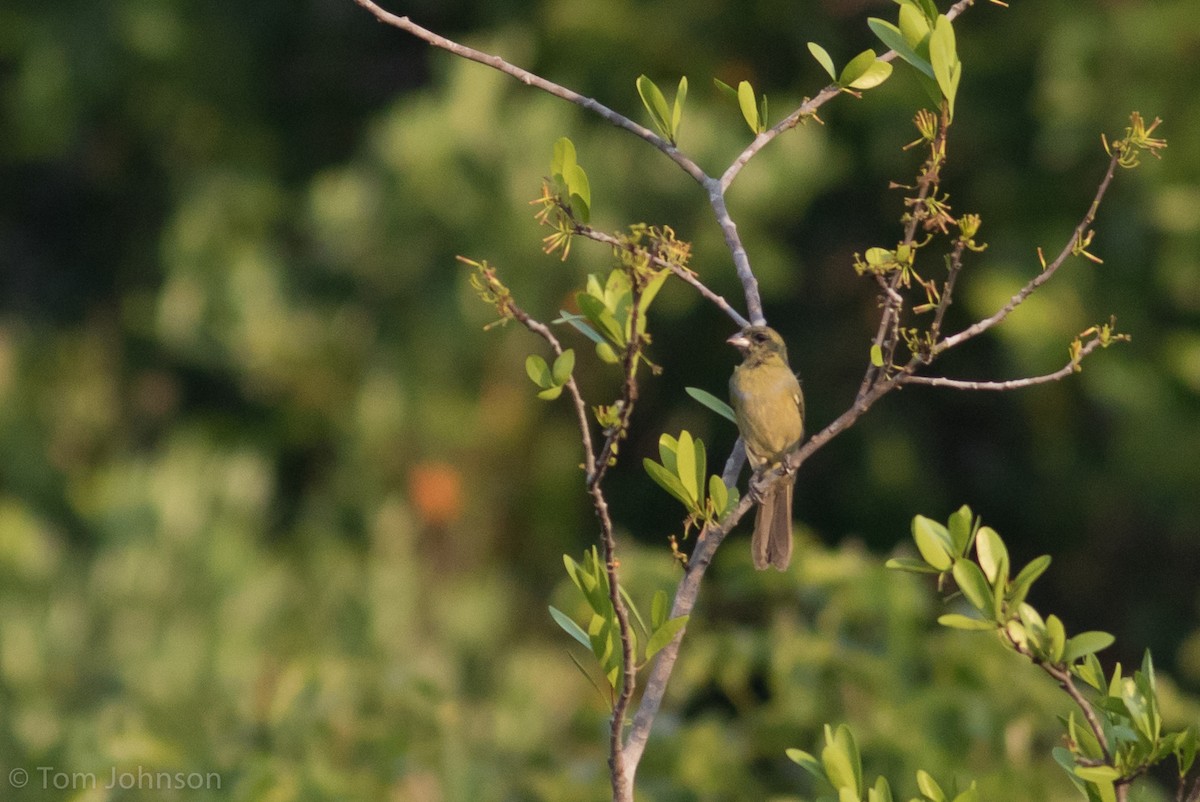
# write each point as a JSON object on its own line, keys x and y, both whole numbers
{"x": 669, "y": 482}
{"x": 807, "y": 762}
{"x": 656, "y": 105}
{"x": 563, "y": 160}
{"x": 677, "y": 111}
{"x": 839, "y": 757}
{"x": 580, "y": 191}
{"x": 726, "y": 89}
{"x": 1148, "y": 673}
{"x": 701, "y": 470}
{"x": 882, "y": 792}
{"x": 1090, "y": 671}
{"x": 876, "y": 355}
{"x": 929, "y": 786}
{"x": 600, "y": 316}
{"x": 933, "y": 541}
{"x": 718, "y": 492}
{"x": 914, "y": 27}
{"x": 944, "y": 59}
{"x": 910, "y": 565}
{"x": 579, "y": 324}
{"x": 648, "y": 294}
{"x": 1097, "y": 773}
{"x": 668, "y": 451}
{"x": 570, "y": 627}
{"x": 958, "y": 621}
{"x": 894, "y": 39}
{"x": 685, "y": 465}
{"x": 659, "y": 609}
{"x": 1035, "y": 627}
{"x": 1086, "y": 643}
{"x": 822, "y": 57}
{"x": 1056, "y": 638}
{"x": 1025, "y": 579}
{"x": 877, "y": 73}
{"x": 993, "y": 554}
{"x": 664, "y": 635}
{"x": 538, "y": 371}
{"x": 563, "y": 365}
{"x": 1085, "y": 740}
{"x": 856, "y": 68}
{"x": 632, "y": 608}
{"x": 763, "y": 116}
{"x": 1185, "y": 749}
{"x": 712, "y": 402}
{"x": 959, "y": 526}
{"x": 607, "y": 354}
{"x": 969, "y": 795}
{"x": 973, "y": 586}
{"x": 550, "y": 393}
{"x": 747, "y": 103}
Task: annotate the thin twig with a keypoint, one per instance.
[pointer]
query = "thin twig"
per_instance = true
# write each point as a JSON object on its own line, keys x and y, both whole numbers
{"x": 678, "y": 270}
{"x": 1067, "y": 683}
{"x": 1012, "y": 384}
{"x": 1041, "y": 278}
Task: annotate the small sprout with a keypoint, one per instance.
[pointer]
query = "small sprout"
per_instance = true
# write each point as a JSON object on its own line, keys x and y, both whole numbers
{"x": 968, "y": 226}
{"x": 491, "y": 290}
{"x": 1137, "y": 139}
{"x": 1080, "y": 247}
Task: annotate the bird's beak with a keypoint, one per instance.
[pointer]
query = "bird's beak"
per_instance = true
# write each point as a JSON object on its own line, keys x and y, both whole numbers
{"x": 739, "y": 341}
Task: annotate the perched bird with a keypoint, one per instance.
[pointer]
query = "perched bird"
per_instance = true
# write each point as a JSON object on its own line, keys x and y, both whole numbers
{"x": 769, "y": 405}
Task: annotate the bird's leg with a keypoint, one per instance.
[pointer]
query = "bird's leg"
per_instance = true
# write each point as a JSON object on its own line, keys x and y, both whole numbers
{"x": 761, "y": 481}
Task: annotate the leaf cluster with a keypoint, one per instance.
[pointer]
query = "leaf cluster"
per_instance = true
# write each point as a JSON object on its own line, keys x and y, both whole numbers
{"x": 683, "y": 472}
{"x": 602, "y": 634}
{"x": 840, "y": 766}
{"x": 1121, "y": 735}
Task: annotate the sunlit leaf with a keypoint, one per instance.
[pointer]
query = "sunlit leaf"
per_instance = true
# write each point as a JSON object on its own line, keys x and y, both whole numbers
{"x": 974, "y": 585}
{"x": 563, "y": 365}
{"x": 538, "y": 371}
{"x": 748, "y": 105}
{"x": 822, "y": 57}
{"x": 856, "y": 67}
{"x": 1086, "y": 643}
{"x": 929, "y": 786}
{"x": 894, "y": 39}
{"x": 959, "y": 621}
{"x": 933, "y": 541}
{"x": 656, "y": 105}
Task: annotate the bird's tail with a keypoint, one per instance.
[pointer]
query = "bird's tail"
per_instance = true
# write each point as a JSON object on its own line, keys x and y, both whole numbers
{"x": 772, "y": 541}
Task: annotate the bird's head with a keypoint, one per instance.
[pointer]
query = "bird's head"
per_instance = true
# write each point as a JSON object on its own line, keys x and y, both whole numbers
{"x": 759, "y": 342}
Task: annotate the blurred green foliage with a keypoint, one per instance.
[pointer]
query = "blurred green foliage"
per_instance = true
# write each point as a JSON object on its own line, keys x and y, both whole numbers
{"x": 273, "y": 505}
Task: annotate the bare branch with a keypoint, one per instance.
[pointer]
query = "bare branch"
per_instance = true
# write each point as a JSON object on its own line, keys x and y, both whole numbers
{"x": 531, "y": 79}
{"x": 1041, "y": 278}
{"x": 1012, "y": 384}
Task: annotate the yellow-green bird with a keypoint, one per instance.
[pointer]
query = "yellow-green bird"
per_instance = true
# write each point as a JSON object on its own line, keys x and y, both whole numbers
{"x": 769, "y": 405}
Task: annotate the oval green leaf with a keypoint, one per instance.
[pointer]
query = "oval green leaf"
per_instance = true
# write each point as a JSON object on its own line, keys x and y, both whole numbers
{"x": 933, "y": 541}
{"x": 748, "y": 105}
{"x": 822, "y": 57}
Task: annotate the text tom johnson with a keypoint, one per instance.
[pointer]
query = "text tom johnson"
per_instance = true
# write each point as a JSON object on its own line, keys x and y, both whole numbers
{"x": 128, "y": 779}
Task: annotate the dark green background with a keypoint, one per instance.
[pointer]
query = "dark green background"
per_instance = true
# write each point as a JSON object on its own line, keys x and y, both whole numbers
{"x": 238, "y": 364}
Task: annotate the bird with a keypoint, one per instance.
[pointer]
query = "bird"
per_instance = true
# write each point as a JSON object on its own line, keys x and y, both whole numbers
{"x": 769, "y": 406}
